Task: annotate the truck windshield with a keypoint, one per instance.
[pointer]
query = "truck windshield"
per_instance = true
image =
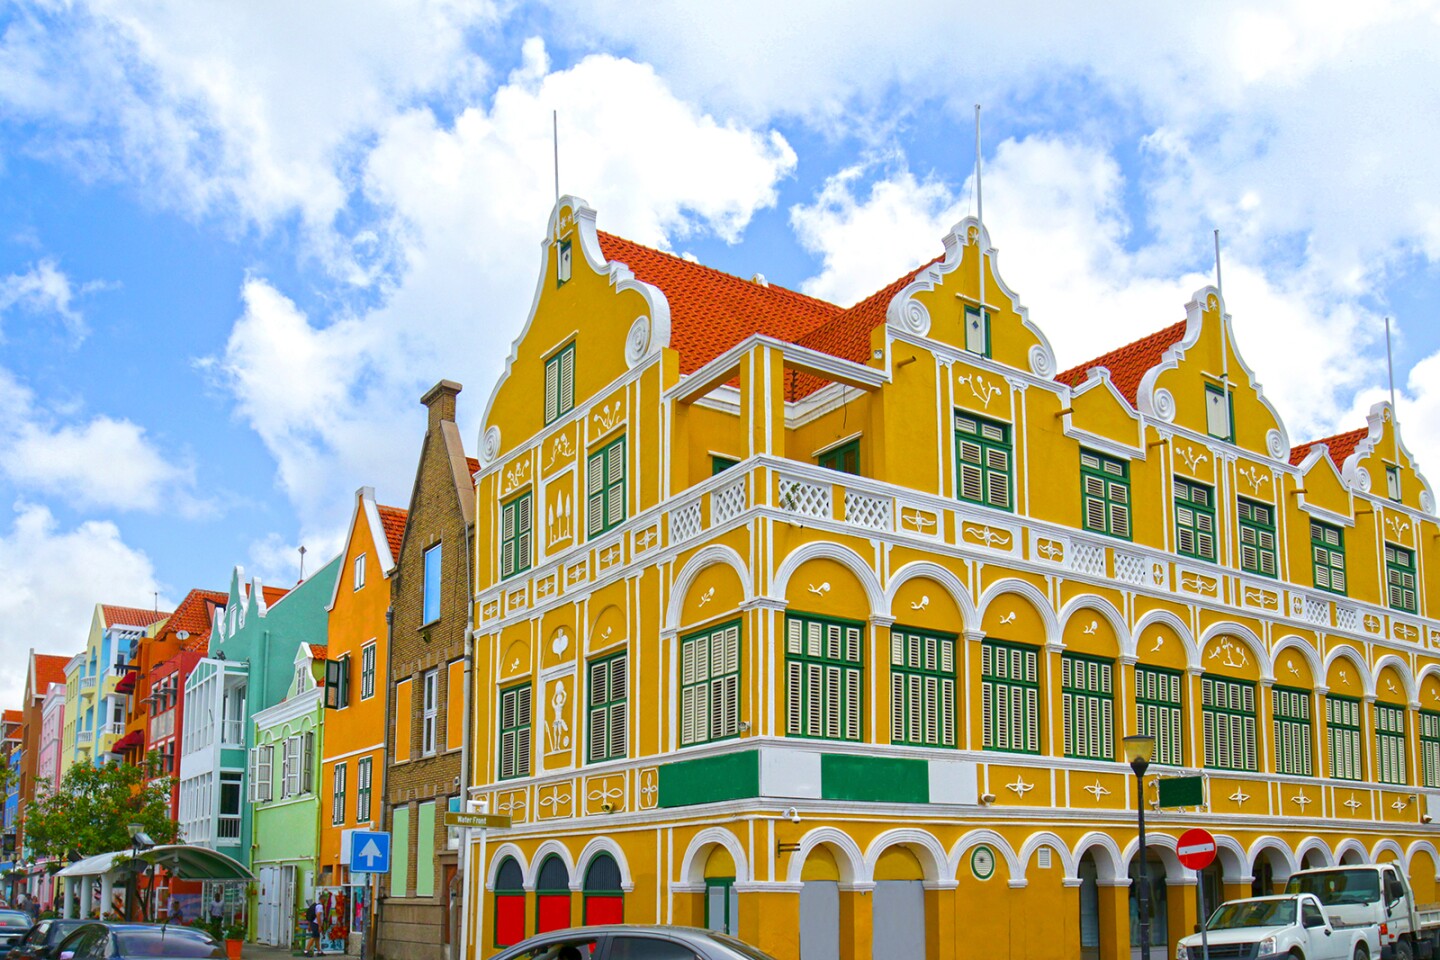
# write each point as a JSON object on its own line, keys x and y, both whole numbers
{"x": 1335, "y": 887}
{"x": 1253, "y": 913}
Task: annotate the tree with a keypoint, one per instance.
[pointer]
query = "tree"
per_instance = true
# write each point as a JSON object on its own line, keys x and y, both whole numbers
{"x": 93, "y": 807}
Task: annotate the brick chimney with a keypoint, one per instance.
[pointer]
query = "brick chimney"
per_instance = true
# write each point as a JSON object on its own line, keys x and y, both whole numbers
{"x": 441, "y": 401}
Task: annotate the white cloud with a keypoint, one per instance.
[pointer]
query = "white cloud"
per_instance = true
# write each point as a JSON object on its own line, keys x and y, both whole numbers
{"x": 255, "y": 109}
{"x": 96, "y": 463}
{"x": 335, "y": 399}
{"x": 52, "y": 579}
{"x": 1055, "y": 214}
{"x": 43, "y": 289}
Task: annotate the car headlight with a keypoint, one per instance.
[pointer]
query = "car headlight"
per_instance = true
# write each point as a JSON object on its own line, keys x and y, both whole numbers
{"x": 1180, "y": 952}
{"x": 1267, "y": 946}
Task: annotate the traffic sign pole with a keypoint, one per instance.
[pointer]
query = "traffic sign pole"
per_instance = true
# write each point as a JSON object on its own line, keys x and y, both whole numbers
{"x": 1196, "y": 850}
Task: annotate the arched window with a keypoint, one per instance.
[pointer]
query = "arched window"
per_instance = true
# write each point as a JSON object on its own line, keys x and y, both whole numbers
{"x": 509, "y": 903}
{"x": 552, "y": 895}
{"x": 604, "y": 899}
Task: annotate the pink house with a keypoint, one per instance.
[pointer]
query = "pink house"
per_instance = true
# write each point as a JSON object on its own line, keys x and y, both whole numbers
{"x": 47, "y": 771}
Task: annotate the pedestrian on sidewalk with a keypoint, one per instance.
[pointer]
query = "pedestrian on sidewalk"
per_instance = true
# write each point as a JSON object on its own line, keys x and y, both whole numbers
{"x": 312, "y": 930}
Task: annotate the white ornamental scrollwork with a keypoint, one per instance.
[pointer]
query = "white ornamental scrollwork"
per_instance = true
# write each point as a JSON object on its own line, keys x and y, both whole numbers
{"x": 490, "y": 445}
{"x": 1427, "y": 501}
{"x": 637, "y": 341}
{"x": 1362, "y": 479}
{"x": 915, "y": 318}
{"x": 1164, "y": 405}
{"x": 1275, "y": 445}
{"x": 1042, "y": 361}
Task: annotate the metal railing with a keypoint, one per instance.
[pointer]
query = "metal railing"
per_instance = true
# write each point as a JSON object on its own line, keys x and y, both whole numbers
{"x": 232, "y": 732}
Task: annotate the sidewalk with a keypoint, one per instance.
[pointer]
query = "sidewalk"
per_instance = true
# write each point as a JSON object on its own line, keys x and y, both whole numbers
{"x": 260, "y": 951}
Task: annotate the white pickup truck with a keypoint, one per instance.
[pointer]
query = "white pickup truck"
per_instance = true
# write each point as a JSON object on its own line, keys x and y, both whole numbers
{"x": 1377, "y": 898}
{"x": 1290, "y": 926}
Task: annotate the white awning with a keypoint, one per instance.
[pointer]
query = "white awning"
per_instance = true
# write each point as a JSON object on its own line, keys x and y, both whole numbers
{"x": 182, "y": 860}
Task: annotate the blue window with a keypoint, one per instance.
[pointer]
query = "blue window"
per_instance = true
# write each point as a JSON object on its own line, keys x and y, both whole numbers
{"x": 432, "y": 584}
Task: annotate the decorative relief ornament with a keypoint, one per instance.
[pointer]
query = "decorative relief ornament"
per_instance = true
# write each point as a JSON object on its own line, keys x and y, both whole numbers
{"x": 1234, "y": 653}
{"x": 821, "y": 589}
{"x": 1020, "y": 787}
{"x": 1008, "y": 618}
{"x": 637, "y": 341}
{"x": 1164, "y": 405}
{"x": 984, "y": 390}
{"x": 490, "y": 445}
{"x": 1042, "y": 361}
{"x": 920, "y": 604}
{"x": 1192, "y": 458}
{"x": 1301, "y": 801}
{"x": 1097, "y": 791}
{"x": 1275, "y": 445}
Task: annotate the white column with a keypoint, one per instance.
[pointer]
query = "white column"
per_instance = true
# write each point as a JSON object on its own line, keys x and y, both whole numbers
{"x": 107, "y": 887}
{"x": 69, "y": 912}
{"x": 87, "y": 895}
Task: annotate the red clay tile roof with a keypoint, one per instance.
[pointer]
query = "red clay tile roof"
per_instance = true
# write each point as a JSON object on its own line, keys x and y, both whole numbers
{"x": 12, "y": 716}
{"x": 130, "y": 616}
{"x": 194, "y": 617}
{"x": 48, "y": 669}
{"x": 712, "y": 311}
{"x": 473, "y": 464}
{"x": 393, "y": 520}
{"x": 319, "y": 651}
{"x": 1341, "y": 446}
{"x": 271, "y": 594}
{"x": 1128, "y": 364}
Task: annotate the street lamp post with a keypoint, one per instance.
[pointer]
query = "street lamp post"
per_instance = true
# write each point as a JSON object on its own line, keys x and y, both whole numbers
{"x": 1138, "y": 751}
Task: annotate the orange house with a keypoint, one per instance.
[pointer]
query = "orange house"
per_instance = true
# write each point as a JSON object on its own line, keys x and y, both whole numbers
{"x": 354, "y": 757}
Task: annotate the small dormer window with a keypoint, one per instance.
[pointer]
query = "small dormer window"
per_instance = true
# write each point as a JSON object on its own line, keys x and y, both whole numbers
{"x": 977, "y": 331}
{"x": 560, "y": 383}
{"x": 1217, "y": 413}
{"x": 360, "y": 571}
{"x": 562, "y": 263}
{"x": 1392, "y": 482}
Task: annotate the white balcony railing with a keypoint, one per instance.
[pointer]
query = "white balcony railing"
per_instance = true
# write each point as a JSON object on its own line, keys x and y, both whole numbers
{"x": 232, "y": 733}
{"x": 229, "y": 828}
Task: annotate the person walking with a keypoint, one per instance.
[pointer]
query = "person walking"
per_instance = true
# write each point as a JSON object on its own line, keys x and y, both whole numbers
{"x": 312, "y": 930}
{"x": 217, "y": 910}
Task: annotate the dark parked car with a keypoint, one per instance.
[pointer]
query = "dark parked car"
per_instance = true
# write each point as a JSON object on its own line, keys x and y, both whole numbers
{"x": 627, "y": 941}
{"x": 121, "y": 941}
{"x": 13, "y": 926}
{"x": 40, "y": 941}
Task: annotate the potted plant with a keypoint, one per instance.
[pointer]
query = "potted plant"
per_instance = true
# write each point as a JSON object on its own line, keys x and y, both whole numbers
{"x": 234, "y": 936}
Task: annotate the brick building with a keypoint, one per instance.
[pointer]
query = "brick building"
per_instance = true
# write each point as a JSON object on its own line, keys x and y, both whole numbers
{"x": 425, "y": 740}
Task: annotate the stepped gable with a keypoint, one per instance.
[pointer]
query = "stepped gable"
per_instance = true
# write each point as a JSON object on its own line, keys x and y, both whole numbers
{"x": 1128, "y": 364}
{"x": 393, "y": 520}
{"x": 1341, "y": 446}
{"x": 130, "y": 616}
{"x": 711, "y": 311}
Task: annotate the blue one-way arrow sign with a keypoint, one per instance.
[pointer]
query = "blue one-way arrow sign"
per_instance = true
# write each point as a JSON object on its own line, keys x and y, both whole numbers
{"x": 369, "y": 852}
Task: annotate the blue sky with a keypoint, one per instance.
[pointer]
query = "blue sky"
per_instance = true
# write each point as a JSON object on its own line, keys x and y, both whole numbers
{"x": 238, "y": 241}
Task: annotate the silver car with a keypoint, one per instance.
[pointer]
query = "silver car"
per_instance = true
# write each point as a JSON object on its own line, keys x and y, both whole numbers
{"x": 628, "y": 941}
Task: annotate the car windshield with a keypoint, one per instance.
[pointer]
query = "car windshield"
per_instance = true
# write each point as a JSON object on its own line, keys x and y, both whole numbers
{"x": 60, "y": 929}
{"x": 158, "y": 944}
{"x": 14, "y": 918}
{"x": 1335, "y": 887}
{"x": 1253, "y": 913}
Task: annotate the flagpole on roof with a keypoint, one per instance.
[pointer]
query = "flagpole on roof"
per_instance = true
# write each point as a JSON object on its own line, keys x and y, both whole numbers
{"x": 979, "y": 214}
{"x": 1394, "y": 415}
{"x": 555, "y": 144}
{"x": 1224, "y": 333}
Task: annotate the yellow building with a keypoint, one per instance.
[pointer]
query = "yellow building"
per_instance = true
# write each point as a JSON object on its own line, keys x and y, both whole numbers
{"x": 824, "y": 625}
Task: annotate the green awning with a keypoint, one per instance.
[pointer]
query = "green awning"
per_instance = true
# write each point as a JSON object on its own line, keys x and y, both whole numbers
{"x": 183, "y": 860}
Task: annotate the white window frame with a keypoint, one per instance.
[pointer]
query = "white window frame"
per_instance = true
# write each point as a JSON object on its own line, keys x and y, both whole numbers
{"x": 430, "y": 699}
{"x": 359, "y": 572}
{"x": 337, "y": 794}
{"x": 367, "y": 670}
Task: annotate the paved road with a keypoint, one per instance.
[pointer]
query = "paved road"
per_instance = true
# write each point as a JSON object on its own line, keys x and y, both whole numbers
{"x": 258, "y": 951}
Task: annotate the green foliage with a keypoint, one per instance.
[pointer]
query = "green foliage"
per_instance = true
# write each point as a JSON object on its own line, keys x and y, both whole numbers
{"x": 92, "y": 808}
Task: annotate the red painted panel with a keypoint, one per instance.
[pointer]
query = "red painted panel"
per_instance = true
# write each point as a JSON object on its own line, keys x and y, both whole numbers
{"x": 604, "y": 910}
{"x": 554, "y": 912}
{"x": 509, "y": 919}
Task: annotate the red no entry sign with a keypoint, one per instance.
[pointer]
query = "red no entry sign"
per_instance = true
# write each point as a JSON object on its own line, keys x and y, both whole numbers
{"x": 1196, "y": 849}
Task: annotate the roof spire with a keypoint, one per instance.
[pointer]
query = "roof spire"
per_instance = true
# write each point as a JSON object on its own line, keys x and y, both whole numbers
{"x": 979, "y": 213}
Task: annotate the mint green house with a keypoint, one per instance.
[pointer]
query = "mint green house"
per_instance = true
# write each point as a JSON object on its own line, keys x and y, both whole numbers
{"x": 285, "y": 766}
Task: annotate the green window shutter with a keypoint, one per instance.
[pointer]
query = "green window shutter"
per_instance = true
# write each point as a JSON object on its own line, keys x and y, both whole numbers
{"x": 1227, "y": 715}
{"x": 516, "y": 535}
{"x": 1400, "y": 578}
{"x": 983, "y": 459}
{"x": 1343, "y": 736}
{"x": 1105, "y": 494}
{"x": 844, "y": 458}
{"x": 1390, "y": 744}
{"x": 425, "y": 849}
{"x": 1257, "y": 537}
{"x": 560, "y": 383}
{"x": 515, "y": 732}
{"x": 1158, "y": 712}
{"x": 922, "y": 688}
{"x": 608, "y": 709}
{"x": 1195, "y": 519}
{"x": 1327, "y": 551}
{"x": 400, "y": 852}
{"x": 1086, "y": 691}
{"x": 605, "y": 488}
{"x": 824, "y": 675}
{"x": 1010, "y": 697}
{"x": 719, "y": 464}
{"x": 710, "y": 685}
{"x": 1430, "y": 748}
{"x": 1293, "y": 731}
